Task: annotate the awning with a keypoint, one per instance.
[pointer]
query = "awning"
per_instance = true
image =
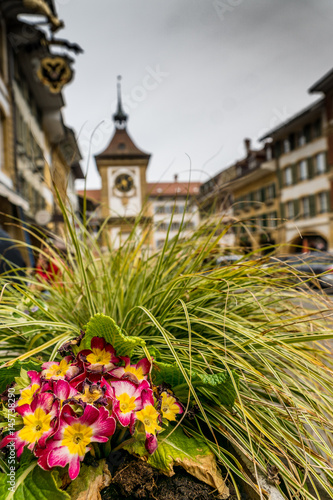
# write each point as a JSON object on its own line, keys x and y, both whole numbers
{"x": 13, "y": 197}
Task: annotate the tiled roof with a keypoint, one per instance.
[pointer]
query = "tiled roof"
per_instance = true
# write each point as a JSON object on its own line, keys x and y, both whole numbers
{"x": 155, "y": 189}
{"x": 122, "y": 146}
{"x": 91, "y": 194}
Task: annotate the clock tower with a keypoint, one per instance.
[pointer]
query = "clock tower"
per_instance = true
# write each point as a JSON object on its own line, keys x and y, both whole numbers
{"x": 122, "y": 167}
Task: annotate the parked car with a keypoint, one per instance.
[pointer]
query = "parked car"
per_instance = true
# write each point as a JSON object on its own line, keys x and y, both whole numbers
{"x": 316, "y": 265}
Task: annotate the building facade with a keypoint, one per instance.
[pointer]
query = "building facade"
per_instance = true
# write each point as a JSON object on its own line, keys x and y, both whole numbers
{"x": 283, "y": 194}
{"x": 173, "y": 209}
{"x": 300, "y": 149}
{"x": 37, "y": 150}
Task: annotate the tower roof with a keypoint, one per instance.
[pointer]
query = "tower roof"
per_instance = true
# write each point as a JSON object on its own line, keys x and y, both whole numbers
{"x": 120, "y": 117}
{"x": 121, "y": 145}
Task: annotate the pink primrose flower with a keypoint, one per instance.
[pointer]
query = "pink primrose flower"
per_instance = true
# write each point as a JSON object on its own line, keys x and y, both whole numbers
{"x": 64, "y": 369}
{"x": 136, "y": 373}
{"x": 63, "y": 391}
{"x": 91, "y": 393}
{"x": 101, "y": 358}
{"x": 126, "y": 398}
{"x": 39, "y": 419}
{"x": 27, "y": 394}
{"x": 70, "y": 442}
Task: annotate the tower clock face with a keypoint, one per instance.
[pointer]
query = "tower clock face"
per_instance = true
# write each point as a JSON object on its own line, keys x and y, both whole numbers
{"x": 124, "y": 183}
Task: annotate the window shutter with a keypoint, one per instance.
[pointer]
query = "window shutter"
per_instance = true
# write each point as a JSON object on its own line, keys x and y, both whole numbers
{"x": 274, "y": 190}
{"x": 296, "y": 207}
{"x": 262, "y": 194}
{"x": 282, "y": 211}
{"x": 311, "y": 172}
{"x": 280, "y": 178}
{"x": 294, "y": 173}
{"x": 264, "y": 220}
{"x": 312, "y": 201}
{"x": 326, "y": 161}
{"x": 328, "y": 198}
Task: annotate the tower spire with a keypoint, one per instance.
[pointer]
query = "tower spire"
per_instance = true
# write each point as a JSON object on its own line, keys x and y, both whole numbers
{"x": 119, "y": 117}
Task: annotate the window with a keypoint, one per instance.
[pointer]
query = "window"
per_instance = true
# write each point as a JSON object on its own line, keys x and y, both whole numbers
{"x": 323, "y": 202}
{"x": 317, "y": 130}
{"x": 269, "y": 154}
{"x": 286, "y": 146}
{"x": 303, "y": 170}
{"x": 301, "y": 139}
{"x": 159, "y": 209}
{"x": 288, "y": 176}
{"x": 290, "y": 209}
{"x": 277, "y": 149}
{"x": 262, "y": 194}
{"x": 270, "y": 192}
{"x": 305, "y": 204}
{"x": 272, "y": 219}
{"x": 291, "y": 140}
{"x": 189, "y": 224}
{"x": 307, "y": 133}
{"x": 175, "y": 226}
{"x": 320, "y": 163}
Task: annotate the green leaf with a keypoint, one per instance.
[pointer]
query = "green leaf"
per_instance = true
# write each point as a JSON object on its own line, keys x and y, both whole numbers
{"x": 176, "y": 449}
{"x": 220, "y": 384}
{"x": 23, "y": 380}
{"x": 40, "y": 485}
{"x": 8, "y": 373}
{"x": 104, "y": 326}
{"x": 37, "y": 485}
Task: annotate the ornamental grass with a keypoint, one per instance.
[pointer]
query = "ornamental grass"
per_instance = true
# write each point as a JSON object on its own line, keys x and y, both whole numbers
{"x": 247, "y": 322}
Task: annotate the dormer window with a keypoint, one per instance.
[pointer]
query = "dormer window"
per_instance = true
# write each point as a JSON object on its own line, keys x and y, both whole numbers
{"x": 121, "y": 145}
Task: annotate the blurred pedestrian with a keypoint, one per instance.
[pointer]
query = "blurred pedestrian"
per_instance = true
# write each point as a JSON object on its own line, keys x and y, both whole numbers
{"x": 12, "y": 264}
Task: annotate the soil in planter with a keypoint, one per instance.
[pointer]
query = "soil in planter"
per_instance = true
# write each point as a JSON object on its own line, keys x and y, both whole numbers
{"x": 134, "y": 479}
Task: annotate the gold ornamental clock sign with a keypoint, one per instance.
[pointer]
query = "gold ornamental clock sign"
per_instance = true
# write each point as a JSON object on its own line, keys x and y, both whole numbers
{"x": 54, "y": 72}
{"x": 124, "y": 183}
{"x": 124, "y": 187}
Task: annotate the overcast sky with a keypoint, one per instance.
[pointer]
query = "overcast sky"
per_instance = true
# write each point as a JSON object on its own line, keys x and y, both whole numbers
{"x": 198, "y": 75}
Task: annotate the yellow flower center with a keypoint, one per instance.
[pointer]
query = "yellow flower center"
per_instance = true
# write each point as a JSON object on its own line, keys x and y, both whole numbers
{"x": 126, "y": 402}
{"x": 88, "y": 396}
{"x": 138, "y": 372}
{"x": 58, "y": 371}
{"x": 27, "y": 395}
{"x": 76, "y": 438}
{"x": 169, "y": 407}
{"x": 35, "y": 425}
{"x": 99, "y": 357}
{"x": 148, "y": 416}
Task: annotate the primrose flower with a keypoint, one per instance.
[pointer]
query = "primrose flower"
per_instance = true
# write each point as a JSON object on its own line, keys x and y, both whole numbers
{"x": 63, "y": 390}
{"x": 101, "y": 357}
{"x": 149, "y": 417}
{"x": 126, "y": 397}
{"x": 91, "y": 393}
{"x": 28, "y": 393}
{"x": 39, "y": 420}
{"x": 64, "y": 369}
{"x": 136, "y": 373}
{"x": 70, "y": 442}
{"x": 170, "y": 406}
